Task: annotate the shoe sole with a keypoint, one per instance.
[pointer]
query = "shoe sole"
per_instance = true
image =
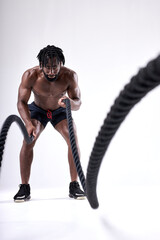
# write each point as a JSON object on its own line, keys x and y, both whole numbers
{"x": 77, "y": 198}
{"x": 22, "y": 200}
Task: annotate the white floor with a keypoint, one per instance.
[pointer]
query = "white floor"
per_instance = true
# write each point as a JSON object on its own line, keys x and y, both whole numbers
{"x": 124, "y": 214}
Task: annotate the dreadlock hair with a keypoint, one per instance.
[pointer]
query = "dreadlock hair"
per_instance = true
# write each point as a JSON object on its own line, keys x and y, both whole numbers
{"x": 50, "y": 52}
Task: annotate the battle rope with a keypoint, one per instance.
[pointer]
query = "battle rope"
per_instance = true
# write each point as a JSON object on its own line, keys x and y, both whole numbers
{"x": 4, "y": 131}
{"x": 73, "y": 144}
{"x": 139, "y": 85}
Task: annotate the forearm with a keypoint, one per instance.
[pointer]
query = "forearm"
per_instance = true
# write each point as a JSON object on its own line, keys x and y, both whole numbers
{"x": 24, "y": 112}
{"x": 75, "y": 104}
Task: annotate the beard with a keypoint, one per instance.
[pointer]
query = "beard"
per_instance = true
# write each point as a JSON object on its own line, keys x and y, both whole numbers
{"x": 50, "y": 79}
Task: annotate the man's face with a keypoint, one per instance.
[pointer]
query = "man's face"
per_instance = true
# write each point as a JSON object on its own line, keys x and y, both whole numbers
{"x": 51, "y": 70}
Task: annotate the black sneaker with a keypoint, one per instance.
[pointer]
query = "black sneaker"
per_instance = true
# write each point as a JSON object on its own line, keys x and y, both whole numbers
{"x": 23, "y": 194}
{"x": 75, "y": 191}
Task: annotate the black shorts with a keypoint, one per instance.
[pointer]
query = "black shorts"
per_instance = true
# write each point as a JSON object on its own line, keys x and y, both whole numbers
{"x": 44, "y": 116}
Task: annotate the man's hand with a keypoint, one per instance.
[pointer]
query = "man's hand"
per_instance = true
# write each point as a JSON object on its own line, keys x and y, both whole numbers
{"x": 31, "y": 130}
{"x": 61, "y": 103}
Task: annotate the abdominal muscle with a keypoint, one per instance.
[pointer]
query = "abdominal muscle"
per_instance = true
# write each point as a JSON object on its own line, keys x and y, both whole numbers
{"x": 47, "y": 103}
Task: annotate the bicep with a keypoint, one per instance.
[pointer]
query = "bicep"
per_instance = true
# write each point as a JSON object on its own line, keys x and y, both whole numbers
{"x": 24, "y": 94}
{"x": 24, "y": 91}
{"x": 73, "y": 89}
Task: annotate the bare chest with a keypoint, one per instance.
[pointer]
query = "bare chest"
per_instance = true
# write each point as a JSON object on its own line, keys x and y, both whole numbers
{"x": 45, "y": 89}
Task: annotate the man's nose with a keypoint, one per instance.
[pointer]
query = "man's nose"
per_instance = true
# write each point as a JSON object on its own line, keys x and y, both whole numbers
{"x": 51, "y": 72}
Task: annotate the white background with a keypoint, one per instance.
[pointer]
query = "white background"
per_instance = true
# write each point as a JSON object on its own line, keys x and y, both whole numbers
{"x": 105, "y": 42}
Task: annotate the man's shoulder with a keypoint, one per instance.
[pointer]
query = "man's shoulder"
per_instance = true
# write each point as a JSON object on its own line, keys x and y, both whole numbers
{"x": 32, "y": 72}
{"x": 30, "y": 76}
{"x": 68, "y": 72}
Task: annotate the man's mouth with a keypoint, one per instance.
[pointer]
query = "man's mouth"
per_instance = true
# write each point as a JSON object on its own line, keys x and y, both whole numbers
{"x": 51, "y": 76}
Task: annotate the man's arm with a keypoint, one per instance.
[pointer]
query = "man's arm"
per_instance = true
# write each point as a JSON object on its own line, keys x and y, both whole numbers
{"x": 73, "y": 92}
{"x": 23, "y": 97}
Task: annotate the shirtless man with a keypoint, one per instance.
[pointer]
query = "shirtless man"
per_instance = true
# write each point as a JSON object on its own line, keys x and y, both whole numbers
{"x": 49, "y": 82}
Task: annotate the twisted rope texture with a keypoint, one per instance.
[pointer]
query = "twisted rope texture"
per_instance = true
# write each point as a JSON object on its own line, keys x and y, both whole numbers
{"x": 4, "y": 131}
{"x": 139, "y": 85}
{"x": 73, "y": 144}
